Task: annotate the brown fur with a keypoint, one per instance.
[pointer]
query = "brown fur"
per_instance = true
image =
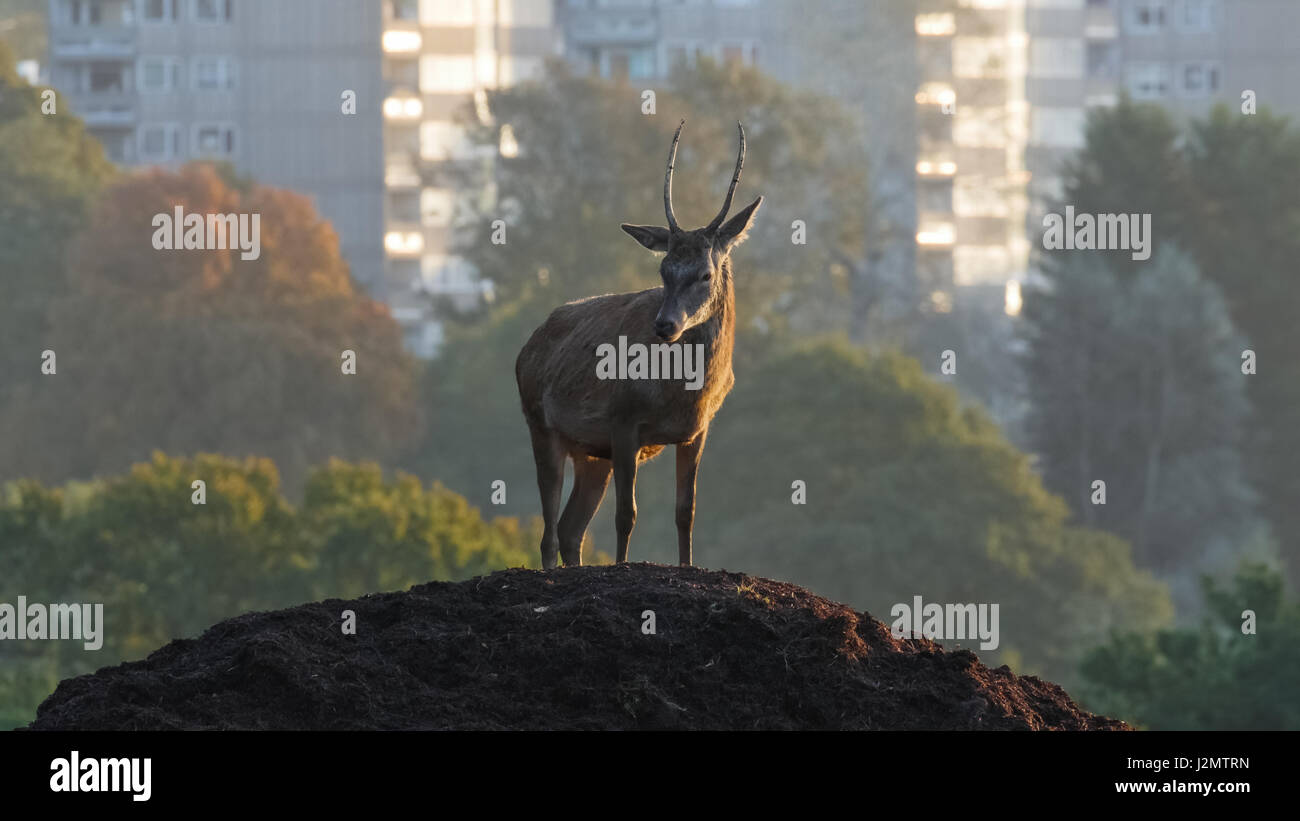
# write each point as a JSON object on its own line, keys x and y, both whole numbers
{"x": 611, "y": 426}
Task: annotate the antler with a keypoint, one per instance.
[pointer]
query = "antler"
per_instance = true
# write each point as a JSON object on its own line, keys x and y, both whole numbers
{"x": 726, "y": 204}
{"x": 668, "y": 182}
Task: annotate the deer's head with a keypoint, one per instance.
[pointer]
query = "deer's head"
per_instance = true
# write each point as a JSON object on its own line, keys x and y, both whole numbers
{"x": 696, "y": 262}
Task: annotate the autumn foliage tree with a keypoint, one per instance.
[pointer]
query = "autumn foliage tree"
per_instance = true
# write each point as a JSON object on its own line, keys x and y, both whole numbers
{"x": 202, "y": 350}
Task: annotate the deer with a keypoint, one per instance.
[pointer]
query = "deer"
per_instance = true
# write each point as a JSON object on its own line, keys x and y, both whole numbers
{"x": 611, "y": 426}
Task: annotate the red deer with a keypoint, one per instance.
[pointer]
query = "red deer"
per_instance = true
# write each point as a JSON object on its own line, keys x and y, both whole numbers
{"x": 611, "y": 426}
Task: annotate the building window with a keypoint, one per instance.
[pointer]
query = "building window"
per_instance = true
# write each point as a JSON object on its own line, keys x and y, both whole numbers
{"x": 979, "y": 196}
{"x": 980, "y": 127}
{"x": 439, "y": 73}
{"x": 158, "y": 11}
{"x": 96, "y": 12}
{"x": 108, "y": 78}
{"x": 447, "y": 12}
{"x": 213, "y": 11}
{"x": 1057, "y": 127}
{"x": 158, "y": 74}
{"x": 159, "y": 142}
{"x": 1200, "y": 79}
{"x": 403, "y": 206}
{"x": 1147, "y": 81}
{"x": 404, "y": 9}
{"x": 1101, "y": 60}
{"x": 443, "y": 140}
{"x": 1147, "y": 16}
{"x": 979, "y": 56}
{"x": 1196, "y": 15}
{"x": 214, "y": 140}
{"x": 636, "y": 63}
{"x": 214, "y": 73}
{"x": 937, "y": 24}
{"x": 437, "y": 207}
{"x": 1056, "y": 57}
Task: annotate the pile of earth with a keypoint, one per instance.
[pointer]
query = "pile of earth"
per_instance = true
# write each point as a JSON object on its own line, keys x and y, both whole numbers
{"x": 565, "y": 649}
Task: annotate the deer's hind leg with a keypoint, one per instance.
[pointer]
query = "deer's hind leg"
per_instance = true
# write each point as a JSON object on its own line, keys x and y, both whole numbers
{"x": 549, "y": 454}
{"x": 590, "y": 479}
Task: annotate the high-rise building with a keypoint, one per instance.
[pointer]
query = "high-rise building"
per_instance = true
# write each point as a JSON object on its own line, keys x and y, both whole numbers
{"x": 265, "y": 85}
{"x": 257, "y": 84}
{"x": 972, "y": 131}
{"x": 440, "y": 58}
{"x": 1185, "y": 55}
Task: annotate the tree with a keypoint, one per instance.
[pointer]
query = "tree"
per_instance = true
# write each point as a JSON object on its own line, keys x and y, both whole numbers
{"x": 50, "y": 171}
{"x": 1136, "y": 382}
{"x": 1224, "y": 192}
{"x": 1215, "y": 676}
{"x": 373, "y": 535}
{"x": 188, "y": 350}
{"x": 1246, "y": 234}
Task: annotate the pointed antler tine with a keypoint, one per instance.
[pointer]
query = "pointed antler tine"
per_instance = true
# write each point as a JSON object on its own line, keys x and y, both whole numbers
{"x": 735, "y": 178}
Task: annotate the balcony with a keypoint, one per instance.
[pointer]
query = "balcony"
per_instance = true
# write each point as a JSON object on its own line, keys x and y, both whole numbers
{"x": 1100, "y": 23}
{"x": 603, "y": 27}
{"x": 109, "y": 42}
{"x": 117, "y": 116}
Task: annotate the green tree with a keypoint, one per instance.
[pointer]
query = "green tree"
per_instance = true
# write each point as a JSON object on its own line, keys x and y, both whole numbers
{"x": 50, "y": 172}
{"x": 1136, "y": 382}
{"x": 372, "y": 534}
{"x": 1246, "y": 235}
{"x": 1216, "y": 676}
{"x": 1134, "y": 368}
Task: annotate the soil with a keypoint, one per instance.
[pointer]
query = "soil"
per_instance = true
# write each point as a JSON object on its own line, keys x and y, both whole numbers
{"x": 565, "y": 649}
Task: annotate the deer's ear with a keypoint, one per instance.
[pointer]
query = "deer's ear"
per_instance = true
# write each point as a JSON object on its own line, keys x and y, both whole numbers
{"x": 733, "y": 231}
{"x": 651, "y": 236}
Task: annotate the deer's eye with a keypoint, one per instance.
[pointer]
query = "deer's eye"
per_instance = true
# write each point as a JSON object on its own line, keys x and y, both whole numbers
{"x": 706, "y": 277}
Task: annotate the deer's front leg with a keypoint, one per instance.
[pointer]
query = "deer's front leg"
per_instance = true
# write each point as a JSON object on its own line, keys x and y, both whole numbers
{"x": 688, "y": 462}
{"x": 625, "y": 447}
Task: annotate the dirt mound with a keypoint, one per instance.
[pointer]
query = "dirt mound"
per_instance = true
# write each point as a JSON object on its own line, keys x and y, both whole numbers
{"x": 524, "y": 649}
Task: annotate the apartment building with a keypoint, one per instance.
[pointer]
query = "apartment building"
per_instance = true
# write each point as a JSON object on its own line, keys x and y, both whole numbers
{"x": 1185, "y": 55}
{"x": 1189, "y": 55}
{"x": 973, "y": 130}
{"x": 440, "y": 57}
{"x": 263, "y": 85}
{"x": 644, "y": 39}
{"x": 256, "y": 83}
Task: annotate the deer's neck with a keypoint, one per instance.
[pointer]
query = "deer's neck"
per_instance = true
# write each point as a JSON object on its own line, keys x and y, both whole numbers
{"x": 718, "y": 333}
